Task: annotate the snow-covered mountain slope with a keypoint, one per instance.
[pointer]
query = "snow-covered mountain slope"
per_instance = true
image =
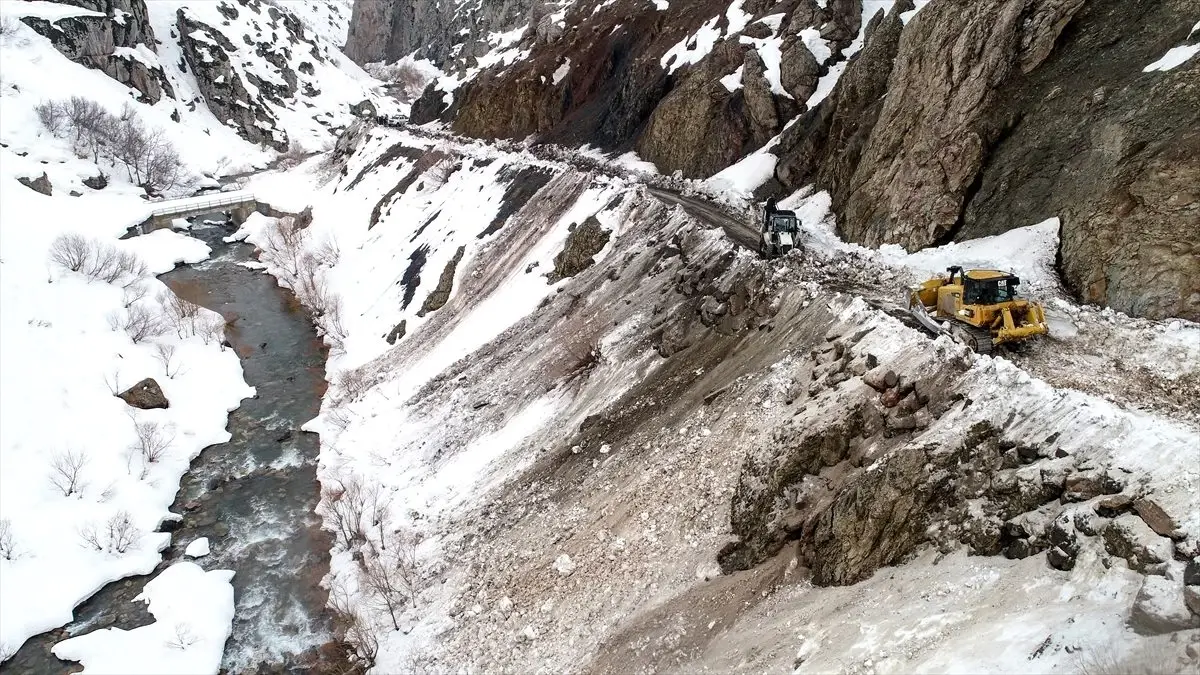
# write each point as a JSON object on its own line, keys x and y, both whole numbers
{"x": 679, "y": 457}
{"x": 204, "y": 72}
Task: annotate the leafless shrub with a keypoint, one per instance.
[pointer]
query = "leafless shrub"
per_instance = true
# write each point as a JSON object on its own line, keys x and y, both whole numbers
{"x": 96, "y": 260}
{"x": 585, "y": 354}
{"x": 183, "y": 316}
{"x": 182, "y": 638}
{"x": 66, "y": 472}
{"x": 8, "y": 545}
{"x": 390, "y": 576}
{"x": 148, "y": 157}
{"x": 111, "y": 265}
{"x": 113, "y": 382}
{"x": 152, "y": 441}
{"x": 353, "y": 625}
{"x": 134, "y": 293}
{"x": 327, "y": 253}
{"x": 212, "y": 331}
{"x": 347, "y": 505}
{"x": 141, "y": 323}
{"x": 72, "y": 251}
{"x": 284, "y": 246}
{"x": 116, "y": 536}
{"x": 51, "y": 114}
{"x": 352, "y": 382}
{"x": 165, "y": 353}
{"x": 406, "y": 80}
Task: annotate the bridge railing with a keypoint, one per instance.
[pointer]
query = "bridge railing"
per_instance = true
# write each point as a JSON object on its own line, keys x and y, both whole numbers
{"x": 194, "y": 204}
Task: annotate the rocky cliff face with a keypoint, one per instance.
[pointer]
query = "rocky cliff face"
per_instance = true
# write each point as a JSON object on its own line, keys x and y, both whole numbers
{"x": 387, "y": 30}
{"x": 1015, "y": 112}
{"x": 112, "y": 36}
{"x": 951, "y": 124}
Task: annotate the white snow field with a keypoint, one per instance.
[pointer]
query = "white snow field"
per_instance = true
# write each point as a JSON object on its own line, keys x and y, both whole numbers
{"x": 64, "y": 360}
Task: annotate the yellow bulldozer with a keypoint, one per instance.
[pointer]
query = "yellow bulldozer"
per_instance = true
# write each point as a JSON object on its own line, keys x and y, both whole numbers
{"x": 979, "y": 308}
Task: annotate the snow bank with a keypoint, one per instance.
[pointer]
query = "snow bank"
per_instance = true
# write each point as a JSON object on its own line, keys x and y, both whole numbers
{"x": 193, "y": 616}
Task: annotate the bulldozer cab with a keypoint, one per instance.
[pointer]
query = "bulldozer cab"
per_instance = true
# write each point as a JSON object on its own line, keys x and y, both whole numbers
{"x": 779, "y": 220}
{"x": 986, "y": 287}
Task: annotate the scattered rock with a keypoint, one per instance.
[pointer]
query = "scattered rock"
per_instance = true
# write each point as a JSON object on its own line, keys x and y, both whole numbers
{"x": 564, "y": 565}
{"x": 198, "y": 548}
{"x": 146, "y": 395}
{"x": 41, "y": 185}
{"x": 1191, "y": 573}
{"x": 1111, "y": 507}
{"x": 1159, "y": 608}
{"x": 397, "y": 332}
{"x": 1130, "y": 538}
{"x": 880, "y": 378}
{"x": 96, "y": 182}
{"x": 505, "y": 606}
{"x": 584, "y": 242}
{"x": 1191, "y": 597}
{"x": 441, "y": 293}
{"x": 1154, "y": 515}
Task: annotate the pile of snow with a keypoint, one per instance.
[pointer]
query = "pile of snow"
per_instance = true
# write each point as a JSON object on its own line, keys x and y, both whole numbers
{"x": 193, "y": 616}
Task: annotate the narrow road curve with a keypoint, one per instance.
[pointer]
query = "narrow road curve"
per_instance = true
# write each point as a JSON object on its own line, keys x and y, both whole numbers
{"x": 741, "y": 231}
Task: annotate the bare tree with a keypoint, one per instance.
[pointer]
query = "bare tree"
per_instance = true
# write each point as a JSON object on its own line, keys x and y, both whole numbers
{"x": 354, "y": 626}
{"x": 116, "y": 536}
{"x": 152, "y": 441}
{"x": 352, "y": 382}
{"x": 327, "y": 253}
{"x": 141, "y": 323}
{"x": 8, "y": 545}
{"x": 165, "y": 354}
{"x": 182, "y": 315}
{"x": 113, "y": 382}
{"x": 72, "y": 251}
{"x": 66, "y": 472}
{"x": 391, "y": 576}
{"x": 134, "y": 293}
{"x": 347, "y": 504}
{"x": 284, "y": 246}
{"x": 51, "y": 115}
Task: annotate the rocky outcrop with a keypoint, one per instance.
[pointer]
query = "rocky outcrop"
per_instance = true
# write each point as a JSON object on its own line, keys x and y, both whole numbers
{"x": 585, "y": 241}
{"x": 113, "y": 36}
{"x": 825, "y": 145}
{"x": 387, "y": 30}
{"x": 441, "y": 293}
{"x": 1044, "y": 111}
{"x": 146, "y": 395}
{"x": 207, "y": 52}
{"x": 701, "y": 126}
{"x": 40, "y": 184}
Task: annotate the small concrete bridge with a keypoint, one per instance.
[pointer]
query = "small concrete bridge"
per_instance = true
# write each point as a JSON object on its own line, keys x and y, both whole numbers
{"x": 238, "y": 204}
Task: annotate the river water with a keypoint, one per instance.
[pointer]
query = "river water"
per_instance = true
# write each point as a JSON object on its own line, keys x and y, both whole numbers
{"x": 253, "y": 497}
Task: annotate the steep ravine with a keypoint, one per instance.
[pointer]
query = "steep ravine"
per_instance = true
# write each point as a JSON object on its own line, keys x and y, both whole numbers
{"x": 254, "y": 496}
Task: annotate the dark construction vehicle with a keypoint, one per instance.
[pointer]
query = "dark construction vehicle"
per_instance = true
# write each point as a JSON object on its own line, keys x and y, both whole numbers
{"x": 779, "y": 232}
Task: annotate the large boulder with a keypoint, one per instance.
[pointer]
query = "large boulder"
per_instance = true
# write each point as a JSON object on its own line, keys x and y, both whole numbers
{"x": 1130, "y": 538}
{"x": 146, "y": 395}
{"x": 585, "y": 241}
{"x": 40, "y": 184}
{"x": 1159, "y": 608}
